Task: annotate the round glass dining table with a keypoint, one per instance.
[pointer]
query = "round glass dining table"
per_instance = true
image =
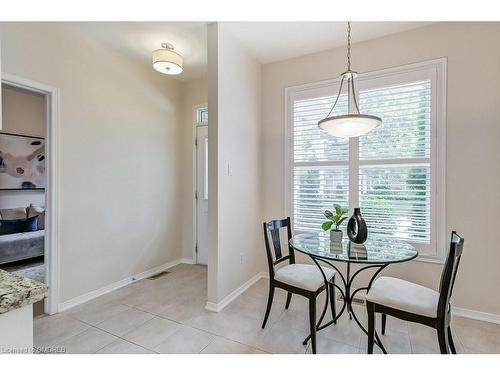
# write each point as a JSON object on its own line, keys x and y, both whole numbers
{"x": 376, "y": 253}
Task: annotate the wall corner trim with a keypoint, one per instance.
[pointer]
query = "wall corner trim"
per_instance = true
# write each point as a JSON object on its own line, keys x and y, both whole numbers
{"x": 187, "y": 261}
{"x": 119, "y": 284}
{"x": 217, "y": 307}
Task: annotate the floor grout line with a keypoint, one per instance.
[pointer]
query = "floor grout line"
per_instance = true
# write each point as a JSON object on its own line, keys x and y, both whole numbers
{"x": 208, "y": 332}
{"x": 112, "y": 334}
{"x": 161, "y": 317}
{"x": 224, "y": 337}
{"x": 206, "y": 346}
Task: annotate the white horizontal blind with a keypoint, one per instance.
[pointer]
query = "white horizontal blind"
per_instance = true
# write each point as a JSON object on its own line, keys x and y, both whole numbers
{"x": 395, "y": 173}
{"x": 320, "y": 171}
{"x": 309, "y": 142}
{"x": 315, "y": 190}
{"x": 395, "y": 200}
{"x": 406, "y": 121}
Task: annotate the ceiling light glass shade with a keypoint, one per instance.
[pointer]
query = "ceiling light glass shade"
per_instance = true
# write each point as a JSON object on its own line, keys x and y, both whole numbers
{"x": 166, "y": 61}
{"x": 347, "y": 126}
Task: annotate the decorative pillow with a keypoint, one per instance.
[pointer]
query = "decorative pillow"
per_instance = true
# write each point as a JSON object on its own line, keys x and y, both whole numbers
{"x": 13, "y": 213}
{"x": 37, "y": 211}
{"x": 18, "y": 225}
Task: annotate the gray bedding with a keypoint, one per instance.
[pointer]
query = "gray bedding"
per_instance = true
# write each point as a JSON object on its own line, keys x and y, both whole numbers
{"x": 19, "y": 246}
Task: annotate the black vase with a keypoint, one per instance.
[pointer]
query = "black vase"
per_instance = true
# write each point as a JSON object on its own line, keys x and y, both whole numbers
{"x": 356, "y": 227}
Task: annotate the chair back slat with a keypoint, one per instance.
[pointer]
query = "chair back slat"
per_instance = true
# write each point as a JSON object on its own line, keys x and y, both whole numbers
{"x": 449, "y": 273}
{"x": 275, "y": 254}
{"x": 275, "y": 235}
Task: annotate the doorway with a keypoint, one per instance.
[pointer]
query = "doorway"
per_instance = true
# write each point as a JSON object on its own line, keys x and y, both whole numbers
{"x": 49, "y": 207}
{"x": 201, "y": 192}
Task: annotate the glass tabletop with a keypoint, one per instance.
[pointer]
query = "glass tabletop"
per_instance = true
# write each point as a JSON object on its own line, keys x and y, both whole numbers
{"x": 376, "y": 250}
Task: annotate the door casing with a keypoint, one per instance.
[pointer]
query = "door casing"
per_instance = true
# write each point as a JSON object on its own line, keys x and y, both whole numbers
{"x": 52, "y": 192}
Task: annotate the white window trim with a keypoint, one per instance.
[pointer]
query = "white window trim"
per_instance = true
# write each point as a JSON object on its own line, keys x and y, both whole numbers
{"x": 438, "y": 145}
{"x": 197, "y": 110}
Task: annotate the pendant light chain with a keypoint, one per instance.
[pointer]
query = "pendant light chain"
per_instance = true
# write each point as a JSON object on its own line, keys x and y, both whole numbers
{"x": 348, "y": 46}
{"x": 350, "y": 82}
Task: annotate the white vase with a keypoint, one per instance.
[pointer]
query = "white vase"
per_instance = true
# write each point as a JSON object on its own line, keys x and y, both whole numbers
{"x": 336, "y": 236}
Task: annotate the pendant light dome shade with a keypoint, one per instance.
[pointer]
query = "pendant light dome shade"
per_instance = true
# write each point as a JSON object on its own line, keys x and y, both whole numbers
{"x": 347, "y": 126}
{"x": 166, "y": 61}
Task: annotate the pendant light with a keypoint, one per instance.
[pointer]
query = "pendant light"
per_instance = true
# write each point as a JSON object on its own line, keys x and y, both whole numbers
{"x": 166, "y": 61}
{"x": 353, "y": 124}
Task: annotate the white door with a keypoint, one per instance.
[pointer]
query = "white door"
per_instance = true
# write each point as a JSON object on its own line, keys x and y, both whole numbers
{"x": 202, "y": 194}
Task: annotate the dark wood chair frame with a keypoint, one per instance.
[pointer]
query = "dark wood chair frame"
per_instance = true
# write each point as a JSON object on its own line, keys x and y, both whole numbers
{"x": 443, "y": 317}
{"x": 273, "y": 227}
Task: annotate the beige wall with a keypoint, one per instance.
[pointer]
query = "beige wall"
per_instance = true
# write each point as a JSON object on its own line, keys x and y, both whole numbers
{"x": 235, "y": 253}
{"x": 119, "y": 157}
{"x": 472, "y": 141}
{"x": 194, "y": 93}
{"x": 23, "y": 112}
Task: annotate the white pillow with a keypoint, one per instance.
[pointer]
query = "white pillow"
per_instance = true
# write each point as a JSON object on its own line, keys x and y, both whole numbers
{"x": 13, "y": 213}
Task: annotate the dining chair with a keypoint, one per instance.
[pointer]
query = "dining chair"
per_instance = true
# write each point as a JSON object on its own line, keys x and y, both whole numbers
{"x": 303, "y": 279}
{"x": 415, "y": 303}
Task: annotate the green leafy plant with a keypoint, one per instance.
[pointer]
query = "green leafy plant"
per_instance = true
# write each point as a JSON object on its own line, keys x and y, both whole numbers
{"x": 337, "y": 218}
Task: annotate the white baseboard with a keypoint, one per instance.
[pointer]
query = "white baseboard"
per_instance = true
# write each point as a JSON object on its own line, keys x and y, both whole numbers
{"x": 217, "y": 307}
{"x": 119, "y": 284}
{"x": 477, "y": 315}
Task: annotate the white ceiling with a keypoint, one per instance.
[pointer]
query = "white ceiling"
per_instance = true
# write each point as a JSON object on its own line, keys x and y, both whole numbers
{"x": 266, "y": 41}
{"x": 274, "y": 41}
{"x": 138, "y": 39}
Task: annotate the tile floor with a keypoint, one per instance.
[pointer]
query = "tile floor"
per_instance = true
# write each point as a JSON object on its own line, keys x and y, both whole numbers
{"x": 167, "y": 315}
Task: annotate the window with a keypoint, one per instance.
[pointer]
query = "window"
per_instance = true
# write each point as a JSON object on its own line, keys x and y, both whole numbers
{"x": 395, "y": 173}
{"x": 205, "y": 169}
{"x": 201, "y": 115}
{"x": 320, "y": 170}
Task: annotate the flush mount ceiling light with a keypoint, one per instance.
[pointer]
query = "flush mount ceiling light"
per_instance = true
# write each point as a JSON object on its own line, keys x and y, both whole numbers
{"x": 166, "y": 61}
{"x": 354, "y": 124}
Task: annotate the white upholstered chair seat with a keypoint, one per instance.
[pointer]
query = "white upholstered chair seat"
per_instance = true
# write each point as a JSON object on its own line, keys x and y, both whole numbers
{"x": 404, "y": 295}
{"x": 304, "y": 276}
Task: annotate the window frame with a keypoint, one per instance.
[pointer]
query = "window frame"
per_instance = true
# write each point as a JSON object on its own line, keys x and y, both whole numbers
{"x": 435, "y": 70}
{"x": 198, "y": 115}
